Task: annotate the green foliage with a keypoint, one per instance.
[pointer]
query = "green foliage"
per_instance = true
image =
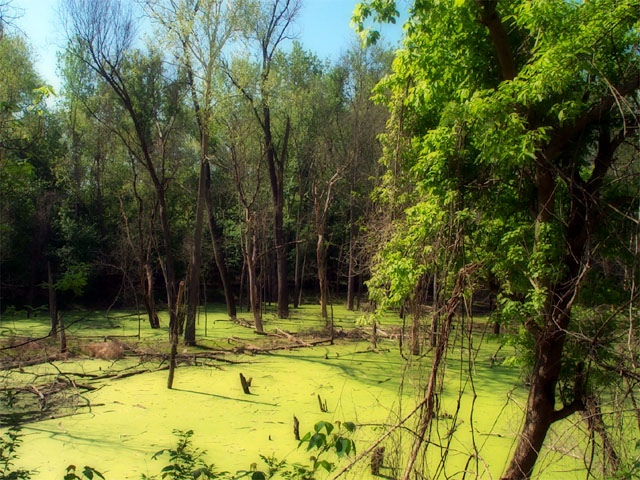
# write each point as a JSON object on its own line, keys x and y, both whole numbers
{"x": 9, "y": 443}
{"x": 381, "y": 11}
{"x": 462, "y": 148}
{"x": 629, "y": 470}
{"x": 88, "y": 473}
{"x": 74, "y": 279}
{"x": 324, "y": 442}
{"x": 186, "y": 461}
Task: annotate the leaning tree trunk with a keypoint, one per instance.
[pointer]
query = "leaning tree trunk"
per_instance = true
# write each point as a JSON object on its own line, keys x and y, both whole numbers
{"x": 540, "y": 405}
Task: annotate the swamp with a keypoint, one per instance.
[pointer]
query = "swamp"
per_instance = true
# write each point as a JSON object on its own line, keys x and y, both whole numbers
{"x": 319, "y": 239}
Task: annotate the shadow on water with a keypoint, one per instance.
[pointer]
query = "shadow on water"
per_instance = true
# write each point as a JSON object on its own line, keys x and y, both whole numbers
{"x": 66, "y": 437}
{"x": 226, "y": 398}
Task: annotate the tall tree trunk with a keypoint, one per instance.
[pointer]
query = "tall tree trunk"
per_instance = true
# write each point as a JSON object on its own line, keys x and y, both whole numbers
{"x": 196, "y": 258}
{"x": 149, "y": 297}
{"x": 281, "y": 258}
{"x": 53, "y": 307}
{"x": 169, "y": 269}
{"x": 99, "y": 199}
{"x": 297, "y": 279}
{"x": 296, "y": 274}
{"x": 322, "y": 274}
{"x": 251, "y": 258}
{"x": 63, "y": 334}
{"x": 218, "y": 251}
{"x": 275, "y": 166}
{"x": 415, "y": 333}
{"x": 351, "y": 275}
{"x": 304, "y": 264}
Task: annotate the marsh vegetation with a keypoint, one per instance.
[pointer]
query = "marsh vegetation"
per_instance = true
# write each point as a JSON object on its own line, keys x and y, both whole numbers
{"x": 426, "y": 257}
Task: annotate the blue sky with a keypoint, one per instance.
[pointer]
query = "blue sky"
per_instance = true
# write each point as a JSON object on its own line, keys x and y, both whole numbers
{"x": 323, "y": 28}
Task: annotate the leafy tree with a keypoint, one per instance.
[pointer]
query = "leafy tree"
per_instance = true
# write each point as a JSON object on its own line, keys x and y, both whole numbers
{"x": 29, "y": 146}
{"x": 511, "y": 124}
{"x": 267, "y": 27}
{"x": 197, "y": 32}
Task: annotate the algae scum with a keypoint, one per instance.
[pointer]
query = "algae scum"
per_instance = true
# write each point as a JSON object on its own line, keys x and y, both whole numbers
{"x": 118, "y": 423}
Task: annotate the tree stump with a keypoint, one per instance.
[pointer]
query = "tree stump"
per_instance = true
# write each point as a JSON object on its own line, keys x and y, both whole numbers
{"x": 323, "y": 405}
{"x": 377, "y": 460}
{"x": 245, "y": 384}
{"x": 296, "y": 428}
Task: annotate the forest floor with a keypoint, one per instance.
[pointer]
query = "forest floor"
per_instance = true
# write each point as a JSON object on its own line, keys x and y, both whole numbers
{"x": 105, "y": 403}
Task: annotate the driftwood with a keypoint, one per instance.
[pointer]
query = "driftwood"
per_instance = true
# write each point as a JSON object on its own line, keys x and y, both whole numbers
{"x": 292, "y": 338}
{"x": 11, "y": 365}
{"x": 243, "y": 323}
{"x": 257, "y": 350}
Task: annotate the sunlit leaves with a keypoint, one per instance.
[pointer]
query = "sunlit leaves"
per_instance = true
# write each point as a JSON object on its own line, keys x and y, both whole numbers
{"x": 464, "y": 145}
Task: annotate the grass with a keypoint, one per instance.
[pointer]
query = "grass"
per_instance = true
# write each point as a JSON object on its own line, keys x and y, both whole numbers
{"x": 134, "y": 417}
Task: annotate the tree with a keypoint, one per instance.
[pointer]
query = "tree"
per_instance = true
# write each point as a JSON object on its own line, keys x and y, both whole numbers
{"x": 101, "y": 35}
{"x": 268, "y": 24}
{"x": 511, "y": 122}
{"x": 240, "y": 155}
{"x": 198, "y": 32}
{"x": 29, "y": 146}
{"x": 365, "y": 120}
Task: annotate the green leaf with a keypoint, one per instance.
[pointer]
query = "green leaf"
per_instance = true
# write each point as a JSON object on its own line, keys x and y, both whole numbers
{"x": 326, "y": 465}
{"x": 327, "y": 426}
{"x": 318, "y": 440}
{"x": 343, "y": 446}
{"x": 350, "y": 426}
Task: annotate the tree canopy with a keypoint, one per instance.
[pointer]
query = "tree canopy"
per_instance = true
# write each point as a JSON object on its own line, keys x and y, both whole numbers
{"x": 512, "y": 146}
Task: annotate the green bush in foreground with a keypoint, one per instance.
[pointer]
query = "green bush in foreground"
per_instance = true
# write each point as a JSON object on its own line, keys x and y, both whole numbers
{"x": 186, "y": 462}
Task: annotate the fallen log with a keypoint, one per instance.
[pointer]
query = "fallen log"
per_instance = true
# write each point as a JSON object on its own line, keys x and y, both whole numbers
{"x": 292, "y": 338}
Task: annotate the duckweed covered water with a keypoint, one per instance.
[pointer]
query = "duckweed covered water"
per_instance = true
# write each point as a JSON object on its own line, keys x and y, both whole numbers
{"x": 134, "y": 417}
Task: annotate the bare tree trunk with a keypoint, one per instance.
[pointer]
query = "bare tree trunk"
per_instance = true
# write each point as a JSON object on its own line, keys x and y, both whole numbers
{"x": 172, "y": 364}
{"x": 592, "y": 416}
{"x": 63, "y": 334}
{"x": 304, "y": 263}
{"x": 415, "y": 333}
{"x": 296, "y": 276}
{"x": 351, "y": 275}
{"x": 322, "y": 275}
{"x": 275, "y": 166}
{"x": 53, "y": 307}
{"x": 297, "y": 273}
{"x": 218, "y": 251}
{"x": 196, "y": 256}
{"x": 149, "y": 297}
{"x": 435, "y": 312}
{"x": 253, "y": 287}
